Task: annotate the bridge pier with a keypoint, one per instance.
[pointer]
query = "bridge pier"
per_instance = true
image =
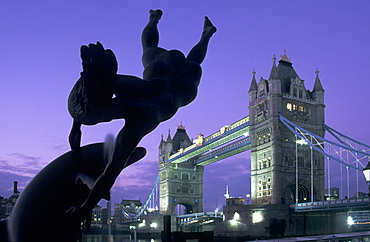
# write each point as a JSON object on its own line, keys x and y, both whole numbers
{"x": 251, "y": 222}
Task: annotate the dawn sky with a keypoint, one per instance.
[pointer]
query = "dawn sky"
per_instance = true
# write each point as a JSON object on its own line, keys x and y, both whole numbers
{"x": 40, "y": 62}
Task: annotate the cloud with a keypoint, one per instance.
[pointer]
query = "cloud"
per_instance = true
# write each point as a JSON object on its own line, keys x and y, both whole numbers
{"x": 136, "y": 181}
{"x": 21, "y": 164}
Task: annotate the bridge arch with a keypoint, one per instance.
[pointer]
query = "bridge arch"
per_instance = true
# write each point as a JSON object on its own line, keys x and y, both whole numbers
{"x": 304, "y": 193}
{"x": 188, "y": 208}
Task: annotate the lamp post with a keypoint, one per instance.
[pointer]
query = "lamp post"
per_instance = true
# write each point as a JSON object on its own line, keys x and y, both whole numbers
{"x": 366, "y": 172}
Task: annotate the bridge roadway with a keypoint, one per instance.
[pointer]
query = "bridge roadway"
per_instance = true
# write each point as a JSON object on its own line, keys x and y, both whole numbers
{"x": 340, "y": 204}
{"x": 230, "y": 140}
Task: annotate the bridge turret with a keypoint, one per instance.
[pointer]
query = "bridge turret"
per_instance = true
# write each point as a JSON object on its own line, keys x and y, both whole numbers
{"x": 179, "y": 183}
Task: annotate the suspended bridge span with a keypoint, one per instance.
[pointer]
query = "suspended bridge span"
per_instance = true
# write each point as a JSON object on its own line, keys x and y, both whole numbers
{"x": 228, "y": 141}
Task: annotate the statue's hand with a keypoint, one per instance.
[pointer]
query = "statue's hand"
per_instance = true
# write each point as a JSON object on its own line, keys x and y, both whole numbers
{"x": 99, "y": 62}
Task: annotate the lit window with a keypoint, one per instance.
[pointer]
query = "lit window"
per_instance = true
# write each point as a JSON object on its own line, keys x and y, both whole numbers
{"x": 301, "y": 108}
{"x": 289, "y": 106}
{"x": 295, "y": 107}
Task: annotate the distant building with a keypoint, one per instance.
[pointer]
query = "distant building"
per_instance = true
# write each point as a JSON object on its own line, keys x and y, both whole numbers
{"x": 233, "y": 201}
{"x": 123, "y": 210}
{"x": 332, "y": 193}
{"x": 98, "y": 217}
{"x": 7, "y": 204}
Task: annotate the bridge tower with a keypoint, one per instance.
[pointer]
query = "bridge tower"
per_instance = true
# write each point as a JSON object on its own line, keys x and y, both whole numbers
{"x": 179, "y": 183}
{"x": 273, "y": 146}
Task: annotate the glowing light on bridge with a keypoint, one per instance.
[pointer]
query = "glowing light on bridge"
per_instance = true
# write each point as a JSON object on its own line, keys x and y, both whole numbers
{"x": 350, "y": 221}
{"x": 257, "y": 217}
{"x": 236, "y": 216}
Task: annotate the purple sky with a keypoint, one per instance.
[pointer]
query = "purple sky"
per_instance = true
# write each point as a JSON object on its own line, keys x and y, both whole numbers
{"x": 40, "y": 62}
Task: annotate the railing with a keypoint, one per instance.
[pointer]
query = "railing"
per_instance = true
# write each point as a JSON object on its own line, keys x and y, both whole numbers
{"x": 198, "y": 219}
{"x": 331, "y": 204}
{"x": 223, "y": 150}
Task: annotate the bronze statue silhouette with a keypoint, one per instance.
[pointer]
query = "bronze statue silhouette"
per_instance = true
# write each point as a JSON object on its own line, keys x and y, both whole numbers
{"x": 62, "y": 195}
{"x": 170, "y": 81}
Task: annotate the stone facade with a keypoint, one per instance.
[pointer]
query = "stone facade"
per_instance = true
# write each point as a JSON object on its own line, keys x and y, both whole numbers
{"x": 273, "y": 149}
{"x": 179, "y": 183}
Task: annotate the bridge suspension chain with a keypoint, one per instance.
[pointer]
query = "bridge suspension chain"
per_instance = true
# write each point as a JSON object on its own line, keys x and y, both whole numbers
{"x": 345, "y": 150}
{"x": 318, "y": 143}
{"x": 150, "y": 205}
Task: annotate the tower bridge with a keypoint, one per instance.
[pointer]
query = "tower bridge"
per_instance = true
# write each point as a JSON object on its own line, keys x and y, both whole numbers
{"x": 290, "y": 158}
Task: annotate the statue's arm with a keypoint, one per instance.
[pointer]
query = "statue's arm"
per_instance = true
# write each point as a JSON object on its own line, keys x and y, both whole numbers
{"x": 75, "y": 135}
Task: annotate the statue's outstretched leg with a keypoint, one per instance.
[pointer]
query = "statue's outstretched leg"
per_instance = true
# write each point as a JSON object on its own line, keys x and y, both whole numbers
{"x": 150, "y": 38}
{"x": 199, "y": 51}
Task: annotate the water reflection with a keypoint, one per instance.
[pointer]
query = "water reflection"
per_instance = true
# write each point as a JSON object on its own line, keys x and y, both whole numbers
{"x": 114, "y": 238}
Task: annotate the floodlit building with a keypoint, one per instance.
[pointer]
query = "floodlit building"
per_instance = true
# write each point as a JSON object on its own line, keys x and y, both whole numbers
{"x": 179, "y": 184}
{"x": 273, "y": 145}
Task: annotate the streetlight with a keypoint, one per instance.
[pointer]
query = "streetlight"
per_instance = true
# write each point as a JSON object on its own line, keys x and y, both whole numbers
{"x": 248, "y": 198}
{"x": 366, "y": 172}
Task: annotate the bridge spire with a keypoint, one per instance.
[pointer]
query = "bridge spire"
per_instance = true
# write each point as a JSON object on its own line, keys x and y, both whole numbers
{"x": 317, "y": 86}
{"x": 181, "y": 126}
{"x": 169, "y": 139}
{"x": 162, "y": 142}
{"x": 274, "y": 72}
{"x": 253, "y": 86}
{"x": 285, "y": 57}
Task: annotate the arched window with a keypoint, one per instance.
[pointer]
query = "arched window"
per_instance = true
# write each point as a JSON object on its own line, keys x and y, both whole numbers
{"x": 185, "y": 176}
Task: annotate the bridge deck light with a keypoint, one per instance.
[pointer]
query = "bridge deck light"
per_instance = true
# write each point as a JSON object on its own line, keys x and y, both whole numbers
{"x": 350, "y": 221}
{"x": 301, "y": 142}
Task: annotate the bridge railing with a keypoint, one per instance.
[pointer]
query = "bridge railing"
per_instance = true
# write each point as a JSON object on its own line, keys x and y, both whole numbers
{"x": 331, "y": 204}
{"x": 194, "y": 218}
{"x": 223, "y": 150}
